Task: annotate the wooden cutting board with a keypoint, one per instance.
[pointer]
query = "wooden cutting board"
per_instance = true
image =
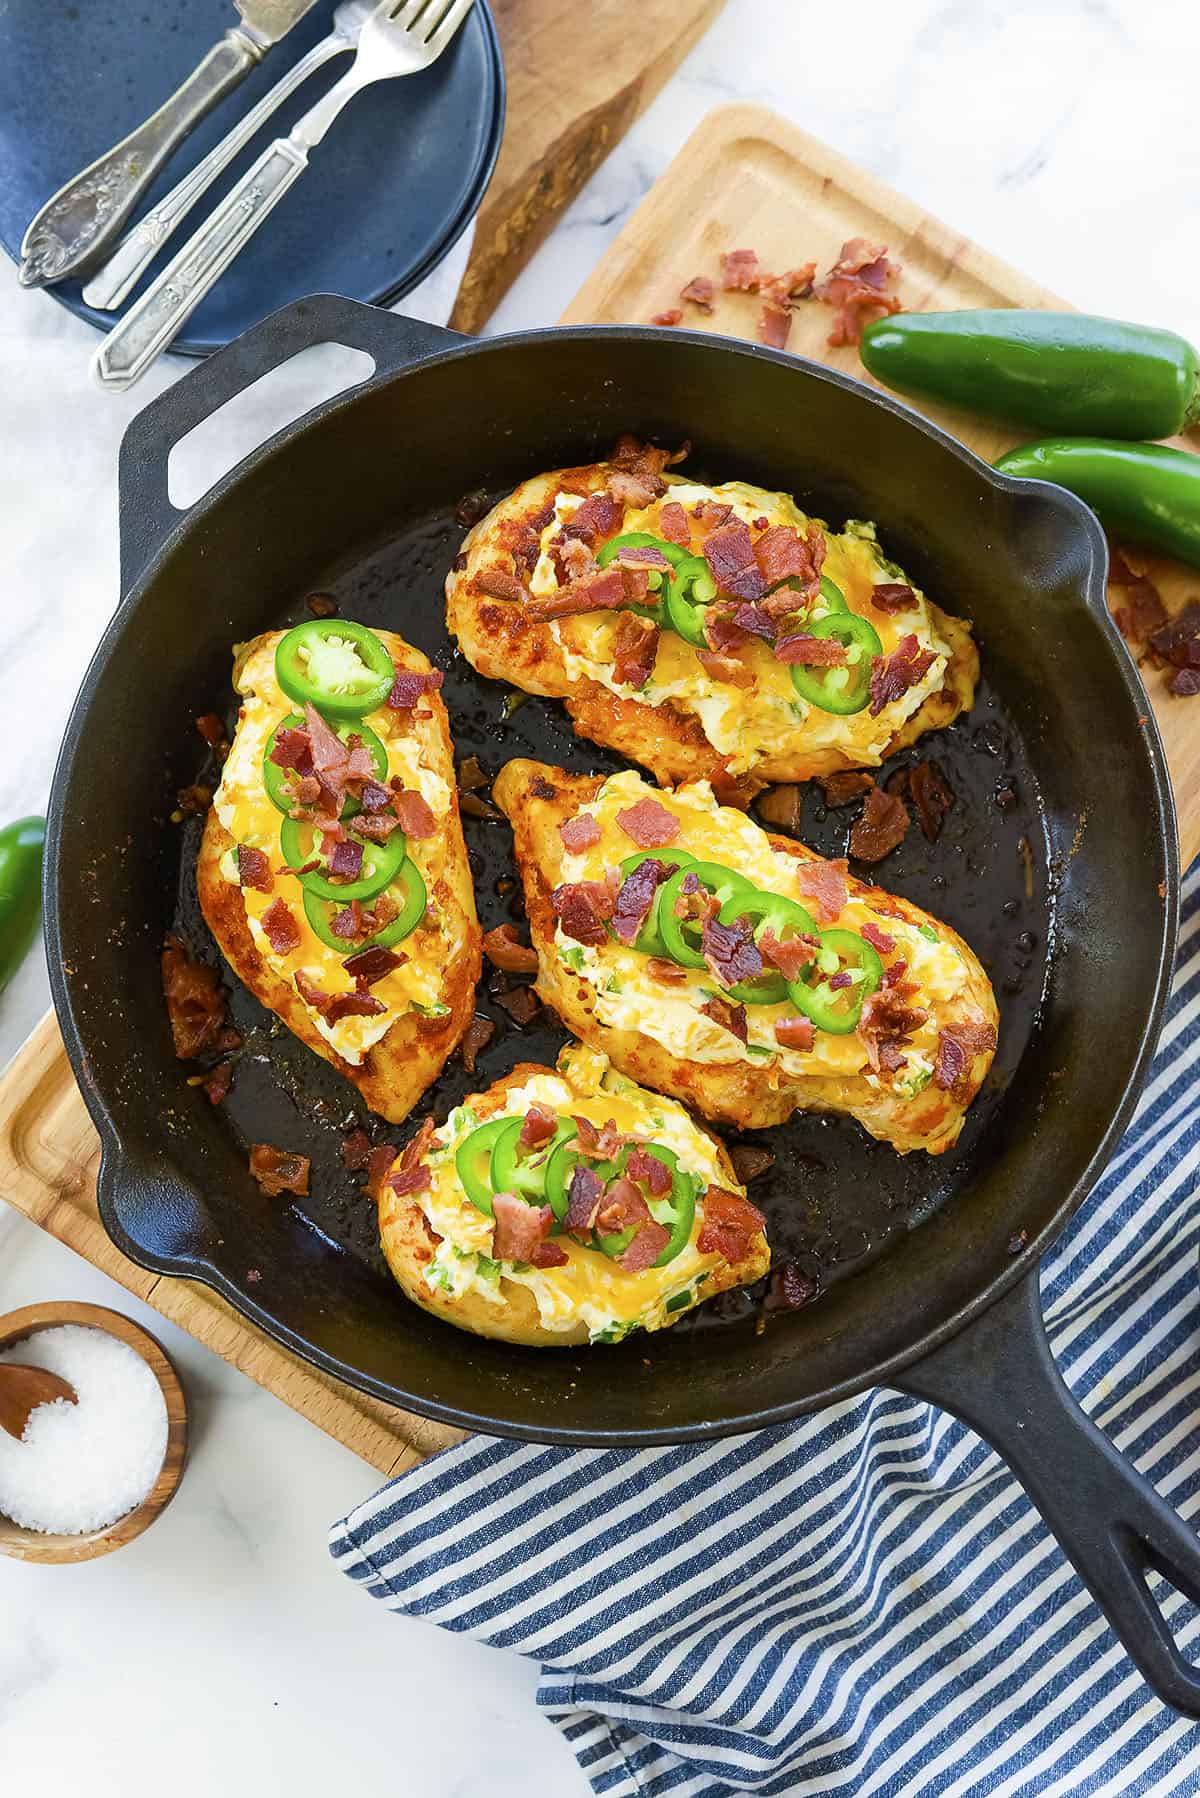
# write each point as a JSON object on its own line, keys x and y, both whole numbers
{"x": 744, "y": 179}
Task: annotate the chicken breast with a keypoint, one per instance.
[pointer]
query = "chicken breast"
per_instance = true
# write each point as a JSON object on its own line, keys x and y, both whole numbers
{"x": 454, "y": 1259}
{"x": 925, "y": 1033}
{"x": 530, "y": 606}
{"x": 387, "y": 1024}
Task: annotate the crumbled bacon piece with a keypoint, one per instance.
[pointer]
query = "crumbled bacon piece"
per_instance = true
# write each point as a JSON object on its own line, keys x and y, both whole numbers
{"x": 649, "y": 1170}
{"x": 470, "y": 775}
{"x": 729, "y": 552}
{"x": 1184, "y": 683}
{"x": 673, "y": 523}
{"x": 634, "y": 650}
{"x": 597, "y": 517}
{"x": 291, "y": 749}
{"x": 878, "y": 939}
{"x": 278, "y": 1171}
{"x": 371, "y": 965}
{"x": 883, "y": 824}
{"x": 786, "y": 289}
{"x": 782, "y": 553}
{"x": 356, "y": 1151}
{"x": 790, "y": 954}
{"x": 958, "y": 1045}
{"x": 375, "y": 798}
{"x": 280, "y": 928}
{"x": 501, "y": 583}
{"x": 217, "y": 1082}
{"x": 605, "y": 590}
{"x": 749, "y": 1161}
{"x": 727, "y": 668}
{"x": 844, "y": 787}
{"x": 479, "y": 1034}
{"x": 411, "y": 685}
{"x": 711, "y": 514}
{"x": 1178, "y": 641}
{"x": 756, "y": 621}
{"x": 376, "y": 825}
{"x": 774, "y": 325}
{"x": 521, "y": 1003}
{"x": 193, "y": 800}
{"x": 740, "y": 272}
{"x": 892, "y": 676}
{"x": 623, "y": 1208}
{"x": 579, "y": 832}
{"x": 794, "y": 1033}
{"x": 729, "y": 1017}
{"x": 520, "y": 1228}
{"x": 649, "y": 824}
{"x": 254, "y": 868}
{"x": 672, "y": 316}
{"x": 825, "y": 884}
{"x": 602, "y": 1144}
{"x": 856, "y": 288}
{"x": 212, "y": 729}
{"x": 345, "y": 863}
{"x": 416, "y": 818}
{"x": 730, "y": 952}
{"x": 791, "y": 1288}
{"x": 539, "y": 1126}
{"x": 1140, "y": 611}
{"x": 802, "y": 650}
{"x": 583, "y": 907}
{"x": 583, "y": 1201}
{"x": 195, "y": 1002}
{"x": 505, "y": 950}
{"x": 886, "y": 1021}
{"x": 666, "y": 973}
{"x": 730, "y": 1224}
{"x": 893, "y": 596}
{"x": 698, "y": 292}
{"x": 630, "y": 489}
{"x": 781, "y": 806}
{"x": 932, "y": 795}
{"x": 409, "y": 1180}
{"x": 635, "y": 897}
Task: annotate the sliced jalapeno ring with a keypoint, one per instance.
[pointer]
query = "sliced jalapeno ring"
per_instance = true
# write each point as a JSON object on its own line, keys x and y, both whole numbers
{"x": 473, "y": 1160}
{"x": 649, "y": 938}
{"x": 340, "y": 666}
{"x": 681, "y": 936}
{"x": 692, "y": 588}
{"x": 560, "y": 1167}
{"x": 676, "y": 1210}
{"x": 274, "y": 777}
{"x": 525, "y": 1175}
{"x": 784, "y": 918}
{"x": 381, "y": 862}
{"x": 837, "y": 1009}
{"x": 846, "y": 688}
{"x": 408, "y": 890}
{"x": 644, "y": 540}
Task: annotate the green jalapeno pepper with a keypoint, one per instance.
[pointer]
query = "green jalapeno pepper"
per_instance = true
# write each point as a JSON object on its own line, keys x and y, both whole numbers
{"x": 837, "y": 1009}
{"x": 22, "y": 846}
{"x": 676, "y": 1210}
{"x": 559, "y": 1168}
{"x": 1050, "y": 371}
{"x": 765, "y": 911}
{"x": 1144, "y": 492}
{"x": 681, "y": 936}
{"x": 690, "y": 589}
{"x": 381, "y": 862}
{"x": 649, "y": 937}
{"x": 846, "y": 688}
{"x": 526, "y": 1175}
{"x": 274, "y": 777}
{"x": 473, "y": 1160}
{"x": 340, "y": 666}
{"x": 657, "y": 578}
{"x": 410, "y": 895}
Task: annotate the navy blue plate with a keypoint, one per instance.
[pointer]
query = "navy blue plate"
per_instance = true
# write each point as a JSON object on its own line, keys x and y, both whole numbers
{"x": 396, "y": 181}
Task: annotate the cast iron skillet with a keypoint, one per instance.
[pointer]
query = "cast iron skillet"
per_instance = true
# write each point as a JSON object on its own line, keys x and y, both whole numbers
{"x": 1059, "y": 863}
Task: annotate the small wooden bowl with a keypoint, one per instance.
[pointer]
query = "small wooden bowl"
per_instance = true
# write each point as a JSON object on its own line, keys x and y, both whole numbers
{"x": 32, "y": 1545}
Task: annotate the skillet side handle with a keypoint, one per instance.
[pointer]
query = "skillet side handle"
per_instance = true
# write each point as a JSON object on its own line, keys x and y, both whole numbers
{"x": 999, "y": 1376}
{"x": 147, "y": 516}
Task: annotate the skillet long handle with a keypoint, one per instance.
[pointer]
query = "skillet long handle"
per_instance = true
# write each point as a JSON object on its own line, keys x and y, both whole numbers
{"x": 999, "y": 1376}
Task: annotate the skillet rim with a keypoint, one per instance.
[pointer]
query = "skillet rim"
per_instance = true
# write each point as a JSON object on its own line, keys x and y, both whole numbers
{"x": 118, "y": 1156}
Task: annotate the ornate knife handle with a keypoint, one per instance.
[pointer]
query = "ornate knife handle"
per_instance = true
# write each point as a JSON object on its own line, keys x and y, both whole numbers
{"x": 83, "y": 217}
{"x": 158, "y": 317}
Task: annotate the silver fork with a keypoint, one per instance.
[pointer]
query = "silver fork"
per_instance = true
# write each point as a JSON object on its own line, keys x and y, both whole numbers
{"x": 116, "y": 278}
{"x": 400, "y": 38}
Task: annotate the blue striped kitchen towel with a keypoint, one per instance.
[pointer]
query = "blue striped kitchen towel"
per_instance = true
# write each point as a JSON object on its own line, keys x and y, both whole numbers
{"x": 862, "y": 1602}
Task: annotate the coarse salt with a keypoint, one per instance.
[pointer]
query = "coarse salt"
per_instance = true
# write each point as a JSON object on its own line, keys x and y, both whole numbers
{"x": 80, "y": 1467}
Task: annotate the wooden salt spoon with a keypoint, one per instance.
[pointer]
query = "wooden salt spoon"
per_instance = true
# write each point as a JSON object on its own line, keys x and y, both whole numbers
{"x": 23, "y": 1389}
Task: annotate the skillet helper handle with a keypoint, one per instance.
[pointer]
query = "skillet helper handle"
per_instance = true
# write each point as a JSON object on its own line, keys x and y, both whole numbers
{"x": 147, "y": 516}
{"x": 999, "y": 1376}
{"x": 84, "y": 217}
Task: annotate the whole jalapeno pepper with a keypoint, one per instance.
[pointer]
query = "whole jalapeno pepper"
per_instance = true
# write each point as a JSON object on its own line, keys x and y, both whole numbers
{"x": 1144, "y": 492}
{"x": 22, "y": 846}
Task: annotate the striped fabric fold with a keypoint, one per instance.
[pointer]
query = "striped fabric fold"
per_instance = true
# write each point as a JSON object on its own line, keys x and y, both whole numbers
{"x": 863, "y": 1603}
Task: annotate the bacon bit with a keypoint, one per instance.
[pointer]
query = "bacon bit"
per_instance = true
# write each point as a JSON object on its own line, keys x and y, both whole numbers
{"x": 730, "y": 952}
{"x": 346, "y": 861}
{"x": 635, "y": 897}
{"x": 416, "y": 819}
{"x": 893, "y": 596}
{"x": 605, "y": 590}
{"x": 1178, "y": 641}
{"x": 634, "y": 650}
{"x": 774, "y": 325}
{"x": 356, "y": 1151}
{"x": 730, "y": 1224}
{"x": 756, "y": 621}
{"x": 844, "y": 787}
{"x": 673, "y": 524}
{"x": 825, "y": 884}
{"x": 645, "y": 1248}
{"x": 791, "y": 954}
{"x": 193, "y": 800}
{"x": 711, "y": 514}
{"x": 878, "y": 939}
{"x": 666, "y": 973}
{"x": 411, "y": 685}
{"x": 212, "y": 730}
{"x": 329, "y": 754}
{"x": 884, "y": 823}
{"x": 723, "y": 634}
{"x": 278, "y": 1171}
{"x": 501, "y": 583}
{"x": 649, "y": 824}
{"x": 780, "y": 806}
{"x": 371, "y": 965}
{"x": 583, "y": 1201}
{"x": 291, "y": 749}
{"x": 791, "y": 1288}
{"x": 521, "y": 1004}
{"x": 539, "y": 1126}
{"x": 840, "y": 981}
{"x": 749, "y": 1161}
{"x": 740, "y": 272}
{"x": 254, "y": 868}
{"x": 729, "y": 1017}
{"x": 321, "y": 605}
{"x": 409, "y": 1180}
{"x": 603, "y": 1143}
{"x": 583, "y": 907}
{"x": 417, "y": 1147}
{"x": 698, "y": 293}
{"x": 471, "y": 508}
{"x": 646, "y": 458}
{"x": 379, "y": 1164}
{"x": 649, "y": 1170}
{"x": 520, "y": 1228}
{"x": 794, "y": 1033}
{"x": 810, "y": 652}
{"x": 375, "y": 798}
{"x": 579, "y": 832}
{"x": 933, "y": 797}
{"x": 280, "y": 928}
{"x": 630, "y": 489}
{"x": 672, "y": 316}
{"x": 623, "y": 1208}
{"x": 376, "y": 825}
{"x": 855, "y": 287}
{"x": 597, "y": 517}
{"x": 470, "y": 775}
{"x": 892, "y": 676}
{"x": 356, "y": 1004}
{"x": 479, "y": 1034}
{"x": 729, "y": 552}
{"x": 894, "y": 974}
{"x": 217, "y": 1082}
{"x": 505, "y": 951}
{"x": 1184, "y": 683}
{"x": 726, "y": 668}
{"x": 1142, "y": 611}
{"x": 887, "y": 1020}
{"x": 797, "y": 284}
{"x": 958, "y": 1045}
{"x": 782, "y": 553}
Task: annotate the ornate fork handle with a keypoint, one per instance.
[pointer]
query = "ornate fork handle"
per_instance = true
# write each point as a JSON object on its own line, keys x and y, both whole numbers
{"x": 83, "y": 217}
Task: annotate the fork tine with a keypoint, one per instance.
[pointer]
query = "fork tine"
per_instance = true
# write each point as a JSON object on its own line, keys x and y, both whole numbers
{"x": 405, "y": 13}
{"x": 448, "y": 25}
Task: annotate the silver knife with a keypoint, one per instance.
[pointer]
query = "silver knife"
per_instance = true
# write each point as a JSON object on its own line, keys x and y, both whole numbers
{"x": 84, "y": 217}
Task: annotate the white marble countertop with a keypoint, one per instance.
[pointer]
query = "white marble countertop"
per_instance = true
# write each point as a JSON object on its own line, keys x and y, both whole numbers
{"x": 221, "y": 1651}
